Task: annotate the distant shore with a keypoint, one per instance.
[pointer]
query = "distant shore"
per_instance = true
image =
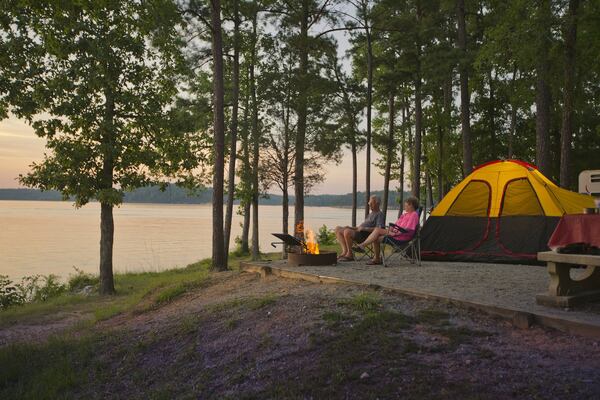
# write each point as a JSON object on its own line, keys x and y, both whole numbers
{"x": 176, "y": 195}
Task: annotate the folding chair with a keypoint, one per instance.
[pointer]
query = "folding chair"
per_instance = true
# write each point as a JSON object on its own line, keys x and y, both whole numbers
{"x": 406, "y": 250}
{"x": 361, "y": 254}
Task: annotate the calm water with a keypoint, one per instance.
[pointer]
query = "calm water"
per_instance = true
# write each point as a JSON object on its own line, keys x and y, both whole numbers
{"x": 51, "y": 237}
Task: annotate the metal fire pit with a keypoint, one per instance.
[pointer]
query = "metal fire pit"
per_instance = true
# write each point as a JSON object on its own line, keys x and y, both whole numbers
{"x": 324, "y": 258}
{"x": 297, "y": 255}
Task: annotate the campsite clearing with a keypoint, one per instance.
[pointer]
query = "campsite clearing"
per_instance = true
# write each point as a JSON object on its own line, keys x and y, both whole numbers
{"x": 505, "y": 290}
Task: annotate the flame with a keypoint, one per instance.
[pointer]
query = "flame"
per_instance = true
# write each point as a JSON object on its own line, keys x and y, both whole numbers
{"x": 300, "y": 228}
{"x": 312, "y": 247}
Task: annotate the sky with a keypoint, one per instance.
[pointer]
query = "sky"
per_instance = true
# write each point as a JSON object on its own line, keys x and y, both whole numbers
{"x": 19, "y": 147}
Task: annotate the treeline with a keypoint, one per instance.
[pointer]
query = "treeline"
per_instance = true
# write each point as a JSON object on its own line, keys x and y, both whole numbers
{"x": 176, "y": 195}
{"x": 130, "y": 94}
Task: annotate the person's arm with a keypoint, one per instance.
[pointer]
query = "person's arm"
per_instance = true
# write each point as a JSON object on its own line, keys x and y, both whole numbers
{"x": 396, "y": 228}
{"x": 413, "y": 221}
{"x": 380, "y": 221}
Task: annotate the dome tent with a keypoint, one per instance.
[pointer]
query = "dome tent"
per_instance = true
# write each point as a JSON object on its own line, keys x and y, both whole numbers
{"x": 504, "y": 211}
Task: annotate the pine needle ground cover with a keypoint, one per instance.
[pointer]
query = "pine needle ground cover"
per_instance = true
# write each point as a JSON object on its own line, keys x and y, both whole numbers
{"x": 235, "y": 335}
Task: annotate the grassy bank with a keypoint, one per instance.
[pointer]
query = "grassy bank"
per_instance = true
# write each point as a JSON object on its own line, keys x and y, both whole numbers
{"x": 140, "y": 291}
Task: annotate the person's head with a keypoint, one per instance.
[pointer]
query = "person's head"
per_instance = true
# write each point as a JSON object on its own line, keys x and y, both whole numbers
{"x": 374, "y": 203}
{"x": 411, "y": 204}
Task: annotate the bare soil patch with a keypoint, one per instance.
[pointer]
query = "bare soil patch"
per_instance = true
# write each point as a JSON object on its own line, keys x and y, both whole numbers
{"x": 240, "y": 336}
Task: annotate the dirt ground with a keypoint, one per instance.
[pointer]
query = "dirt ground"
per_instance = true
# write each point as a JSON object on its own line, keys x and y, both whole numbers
{"x": 240, "y": 336}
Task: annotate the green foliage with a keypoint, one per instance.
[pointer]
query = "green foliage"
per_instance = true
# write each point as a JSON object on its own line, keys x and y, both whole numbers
{"x": 10, "y": 295}
{"x": 35, "y": 288}
{"x": 325, "y": 236}
{"x": 81, "y": 279}
{"x": 25, "y": 373}
{"x": 41, "y": 287}
{"x": 364, "y": 302}
{"x": 96, "y": 81}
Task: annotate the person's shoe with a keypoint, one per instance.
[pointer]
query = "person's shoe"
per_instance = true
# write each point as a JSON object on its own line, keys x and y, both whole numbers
{"x": 346, "y": 258}
{"x": 358, "y": 249}
{"x": 374, "y": 262}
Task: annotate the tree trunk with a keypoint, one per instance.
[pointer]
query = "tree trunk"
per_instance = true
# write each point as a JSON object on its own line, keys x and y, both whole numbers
{"x": 389, "y": 153}
{"x": 245, "y": 246}
{"x": 218, "y": 252}
{"x": 446, "y": 129}
{"x": 566, "y": 132}
{"x": 429, "y": 188}
{"x": 542, "y": 97}
{"x": 286, "y": 210}
{"x": 302, "y": 115}
{"x": 411, "y": 147}
{"x": 401, "y": 205}
{"x": 107, "y": 231}
{"x": 285, "y": 168}
{"x": 354, "y": 181}
{"x": 107, "y": 226}
{"x": 416, "y": 183}
{"x": 465, "y": 98}
{"x": 403, "y": 157}
{"x": 369, "y": 112}
{"x": 234, "y": 127}
{"x": 492, "y": 111}
{"x": 513, "y": 116}
{"x": 255, "y": 146}
{"x": 246, "y": 174}
{"x": 440, "y": 174}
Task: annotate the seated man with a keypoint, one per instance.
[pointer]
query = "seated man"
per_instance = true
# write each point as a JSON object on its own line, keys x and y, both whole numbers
{"x": 346, "y": 234}
{"x": 407, "y": 225}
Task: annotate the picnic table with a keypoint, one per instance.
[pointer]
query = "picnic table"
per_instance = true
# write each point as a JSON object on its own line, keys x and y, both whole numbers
{"x": 564, "y": 290}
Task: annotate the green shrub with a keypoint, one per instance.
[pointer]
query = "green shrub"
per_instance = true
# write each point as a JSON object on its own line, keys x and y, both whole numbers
{"x": 41, "y": 287}
{"x": 81, "y": 279}
{"x": 326, "y": 236}
{"x": 10, "y": 295}
{"x": 35, "y": 288}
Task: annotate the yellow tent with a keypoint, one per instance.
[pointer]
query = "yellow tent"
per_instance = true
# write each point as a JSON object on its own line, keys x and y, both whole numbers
{"x": 502, "y": 211}
{"x": 510, "y": 188}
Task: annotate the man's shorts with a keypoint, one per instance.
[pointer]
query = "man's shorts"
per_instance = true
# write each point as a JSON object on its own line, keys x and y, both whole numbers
{"x": 360, "y": 236}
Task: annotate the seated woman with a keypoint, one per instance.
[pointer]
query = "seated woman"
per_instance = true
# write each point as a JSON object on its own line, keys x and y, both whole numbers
{"x": 407, "y": 223}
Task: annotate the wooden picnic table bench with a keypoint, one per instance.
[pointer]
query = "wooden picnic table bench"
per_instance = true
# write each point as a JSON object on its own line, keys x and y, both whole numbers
{"x": 564, "y": 290}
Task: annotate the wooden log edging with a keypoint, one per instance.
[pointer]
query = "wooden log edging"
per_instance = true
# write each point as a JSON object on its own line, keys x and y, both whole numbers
{"x": 519, "y": 318}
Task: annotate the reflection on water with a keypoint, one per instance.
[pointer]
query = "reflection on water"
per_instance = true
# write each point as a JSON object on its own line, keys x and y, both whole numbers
{"x": 39, "y": 237}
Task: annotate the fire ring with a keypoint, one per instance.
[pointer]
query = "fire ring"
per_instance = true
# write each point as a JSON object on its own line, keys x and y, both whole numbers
{"x": 323, "y": 258}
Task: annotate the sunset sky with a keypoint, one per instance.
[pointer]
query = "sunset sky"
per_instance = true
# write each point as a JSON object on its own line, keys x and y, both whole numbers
{"x": 19, "y": 147}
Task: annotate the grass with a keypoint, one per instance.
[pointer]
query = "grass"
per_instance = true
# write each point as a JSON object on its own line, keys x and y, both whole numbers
{"x": 45, "y": 371}
{"x": 363, "y": 302}
{"x": 138, "y": 292}
{"x": 433, "y": 317}
{"x": 256, "y": 303}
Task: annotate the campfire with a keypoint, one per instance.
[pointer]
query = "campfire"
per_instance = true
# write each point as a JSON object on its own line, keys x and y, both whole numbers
{"x": 303, "y": 249}
{"x": 310, "y": 241}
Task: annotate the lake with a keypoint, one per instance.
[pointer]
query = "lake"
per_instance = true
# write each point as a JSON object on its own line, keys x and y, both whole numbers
{"x": 49, "y": 237}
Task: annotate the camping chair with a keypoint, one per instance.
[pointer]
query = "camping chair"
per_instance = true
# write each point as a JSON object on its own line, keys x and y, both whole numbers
{"x": 409, "y": 250}
{"x": 361, "y": 254}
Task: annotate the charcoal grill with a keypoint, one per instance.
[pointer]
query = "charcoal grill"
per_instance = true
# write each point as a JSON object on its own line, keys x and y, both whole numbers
{"x": 297, "y": 252}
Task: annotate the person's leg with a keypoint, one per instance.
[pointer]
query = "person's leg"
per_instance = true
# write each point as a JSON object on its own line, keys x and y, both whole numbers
{"x": 377, "y": 232}
{"x": 377, "y": 250}
{"x": 349, "y": 238}
{"x": 339, "y": 235}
